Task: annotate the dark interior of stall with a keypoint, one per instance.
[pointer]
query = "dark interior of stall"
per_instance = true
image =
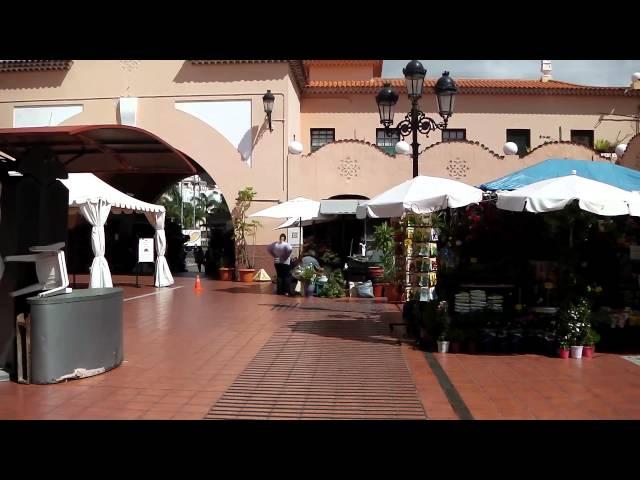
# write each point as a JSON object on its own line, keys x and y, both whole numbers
{"x": 532, "y": 265}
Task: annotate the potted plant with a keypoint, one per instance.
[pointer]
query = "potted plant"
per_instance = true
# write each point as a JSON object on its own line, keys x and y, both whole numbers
{"x": 443, "y": 338}
{"x": 308, "y": 277}
{"x": 563, "y": 350}
{"x": 575, "y": 322}
{"x": 592, "y": 338}
{"x": 243, "y": 228}
{"x": 383, "y": 241}
{"x": 456, "y": 337}
{"x": 225, "y": 274}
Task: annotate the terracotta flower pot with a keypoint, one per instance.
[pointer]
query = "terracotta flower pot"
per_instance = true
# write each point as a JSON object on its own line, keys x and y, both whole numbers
{"x": 392, "y": 293}
{"x": 225, "y": 274}
{"x": 454, "y": 347}
{"x": 472, "y": 347}
{"x": 563, "y": 352}
{"x": 246, "y": 274}
{"x": 587, "y": 351}
{"x": 378, "y": 289}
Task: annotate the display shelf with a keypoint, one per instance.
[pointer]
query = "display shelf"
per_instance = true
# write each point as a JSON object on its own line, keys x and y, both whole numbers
{"x": 416, "y": 257}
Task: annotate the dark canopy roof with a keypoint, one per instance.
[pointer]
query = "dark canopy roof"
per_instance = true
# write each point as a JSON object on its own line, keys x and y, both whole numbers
{"x": 118, "y": 154}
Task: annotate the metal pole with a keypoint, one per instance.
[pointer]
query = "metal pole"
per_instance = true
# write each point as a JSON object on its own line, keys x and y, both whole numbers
{"x": 414, "y": 129}
{"x": 181, "y": 206}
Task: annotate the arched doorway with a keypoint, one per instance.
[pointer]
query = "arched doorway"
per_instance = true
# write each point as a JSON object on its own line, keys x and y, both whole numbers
{"x": 130, "y": 159}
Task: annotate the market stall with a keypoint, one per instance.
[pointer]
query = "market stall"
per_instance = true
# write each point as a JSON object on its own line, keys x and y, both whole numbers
{"x": 95, "y": 199}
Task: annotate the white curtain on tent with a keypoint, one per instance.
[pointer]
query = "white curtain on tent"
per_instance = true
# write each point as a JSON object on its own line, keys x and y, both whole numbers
{"x": 96, "y": 213}
{"x": 162, "y": 277}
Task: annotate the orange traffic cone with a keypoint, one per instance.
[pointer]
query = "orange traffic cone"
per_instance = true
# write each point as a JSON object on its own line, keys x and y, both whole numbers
{"x": 197, "y": 286}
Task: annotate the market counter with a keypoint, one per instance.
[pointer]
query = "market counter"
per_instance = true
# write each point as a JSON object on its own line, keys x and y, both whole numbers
{"x": 75, "y": 334}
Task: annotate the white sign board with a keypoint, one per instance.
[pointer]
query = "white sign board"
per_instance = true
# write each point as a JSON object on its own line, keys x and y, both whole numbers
{"x": 293, "y": 236}
{"x": 145, "y": 250}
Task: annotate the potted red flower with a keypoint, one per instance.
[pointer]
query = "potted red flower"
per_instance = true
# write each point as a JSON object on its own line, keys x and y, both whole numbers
{"x": 589, "y": 348}
{"x": 563, "y": 351}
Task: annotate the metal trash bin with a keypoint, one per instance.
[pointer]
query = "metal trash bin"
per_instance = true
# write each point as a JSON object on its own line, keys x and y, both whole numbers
{"x": 70, "y": 336}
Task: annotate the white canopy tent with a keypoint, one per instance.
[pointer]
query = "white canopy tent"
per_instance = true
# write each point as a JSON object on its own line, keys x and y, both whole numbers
{"x": 96, "y": 199}
{"x": 299, "y": 208}
{"x": 421, "y": 194}
{"x": 556, "y": 193}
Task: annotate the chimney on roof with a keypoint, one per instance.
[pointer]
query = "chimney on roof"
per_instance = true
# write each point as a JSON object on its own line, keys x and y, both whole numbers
{"x": 635, "y": 81}
{"x": 545, "y": 68}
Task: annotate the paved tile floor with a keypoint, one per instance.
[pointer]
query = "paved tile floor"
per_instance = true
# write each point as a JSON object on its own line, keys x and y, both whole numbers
{"x": 187, "y": 354}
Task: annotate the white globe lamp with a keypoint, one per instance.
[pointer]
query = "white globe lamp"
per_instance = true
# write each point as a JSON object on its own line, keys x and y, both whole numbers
{"x": 510, "y": 148}
{"x": 635, "y": 77}
{"x": 295, "y": 147}
{"x": 620, "y": 149}
{"x": 403, "y": 148}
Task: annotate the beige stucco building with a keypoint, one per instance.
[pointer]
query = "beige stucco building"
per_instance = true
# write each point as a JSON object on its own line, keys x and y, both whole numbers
{"x": 213, "y": 112}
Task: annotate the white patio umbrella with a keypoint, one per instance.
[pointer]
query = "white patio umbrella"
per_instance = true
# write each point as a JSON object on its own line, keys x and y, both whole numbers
{"x": 556, "y": 193}
{"x": 300, "y": 208}
{"x": 420, "y": 195}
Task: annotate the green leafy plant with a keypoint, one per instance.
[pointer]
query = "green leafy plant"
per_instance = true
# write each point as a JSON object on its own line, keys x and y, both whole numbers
{"x": 592, "y": 337}
{"x": 383, "y": 236}
{"x": 602, "y": 145}
{"x": 308, "y": 274}
{"x": 574, "y": 320}
{"x": 242, "y": 227}
{"x": 334, "y": 288}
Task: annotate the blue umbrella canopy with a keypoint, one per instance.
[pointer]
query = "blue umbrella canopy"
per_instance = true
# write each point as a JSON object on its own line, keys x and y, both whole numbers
{"x": 621, "y": 177}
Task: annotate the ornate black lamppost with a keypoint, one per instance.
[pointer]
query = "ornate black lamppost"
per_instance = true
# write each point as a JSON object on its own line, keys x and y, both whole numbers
{"x": 416, "y": 121}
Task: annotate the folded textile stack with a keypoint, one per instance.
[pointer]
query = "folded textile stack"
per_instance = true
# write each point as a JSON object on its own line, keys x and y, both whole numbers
{"x": 462, "y": 302}
{"x": 495, "y": 302}
{"x": 478, "y": 300}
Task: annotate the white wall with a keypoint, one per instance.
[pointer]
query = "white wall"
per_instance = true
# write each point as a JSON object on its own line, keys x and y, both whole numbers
{"x": 232, "y": 118}
{"x": 43, "y": 116}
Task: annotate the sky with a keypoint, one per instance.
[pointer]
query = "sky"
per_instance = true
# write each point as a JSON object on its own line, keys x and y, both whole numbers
{"x": 589, "y": 72}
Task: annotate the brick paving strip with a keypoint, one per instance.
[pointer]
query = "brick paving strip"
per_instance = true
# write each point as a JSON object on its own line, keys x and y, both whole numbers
{"x": 325, "y": 364}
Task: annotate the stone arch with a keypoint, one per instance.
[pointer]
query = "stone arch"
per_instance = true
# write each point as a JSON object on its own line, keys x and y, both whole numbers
{"x": 346, "y": 166}
{"x": 566, "y": 150}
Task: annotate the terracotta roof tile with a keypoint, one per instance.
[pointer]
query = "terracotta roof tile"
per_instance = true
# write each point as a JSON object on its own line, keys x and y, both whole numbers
{"x": 470, "y": 85}
{"x": 33, "y": 65}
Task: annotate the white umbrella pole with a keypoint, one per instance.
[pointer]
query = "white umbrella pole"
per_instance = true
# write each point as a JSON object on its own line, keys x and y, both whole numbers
{"x": 365, "y": 236}
{"x": 300, "y": 240}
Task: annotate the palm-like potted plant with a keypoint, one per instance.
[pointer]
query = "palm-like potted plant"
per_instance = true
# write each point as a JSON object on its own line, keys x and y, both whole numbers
{"x": 383, "y": 239}
{"x": 592, "y": 338}
{"x": 243, "y": 228}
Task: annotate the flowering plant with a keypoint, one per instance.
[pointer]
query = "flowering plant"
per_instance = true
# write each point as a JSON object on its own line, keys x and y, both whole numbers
{"x": 575, "y": 320}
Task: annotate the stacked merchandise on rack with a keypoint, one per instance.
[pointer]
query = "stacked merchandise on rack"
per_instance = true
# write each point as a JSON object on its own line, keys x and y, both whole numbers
{"x": 416, "y": 252}
{"x": 462, "y": 302}
{"x": 494, "y": 302}
{"x": 478, "y": 300}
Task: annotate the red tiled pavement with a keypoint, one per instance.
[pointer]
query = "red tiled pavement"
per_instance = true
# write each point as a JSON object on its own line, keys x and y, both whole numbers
{"x": 537, "y": 387}
{"x": 184, "y": 349}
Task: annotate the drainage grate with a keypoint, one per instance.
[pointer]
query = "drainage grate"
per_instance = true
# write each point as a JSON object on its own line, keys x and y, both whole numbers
{"x": 334, "y": 368}
{"x": 284, "y": 306}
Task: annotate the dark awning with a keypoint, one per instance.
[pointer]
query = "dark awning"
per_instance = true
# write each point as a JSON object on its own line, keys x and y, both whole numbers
{"x": 118, "y": 154}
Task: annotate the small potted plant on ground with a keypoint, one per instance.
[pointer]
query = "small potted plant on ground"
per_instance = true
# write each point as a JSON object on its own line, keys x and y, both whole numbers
{"x": 243, "y": 228}
{"x": 445, "y": 321}
{"x": 308, "y": 277}
{"x": 456, "y": 337}
{"x": 575, "y": 319}
{"x": 383, "y": 241}
{"x": 563, "y": 350}
{"x": 592, "y": 338}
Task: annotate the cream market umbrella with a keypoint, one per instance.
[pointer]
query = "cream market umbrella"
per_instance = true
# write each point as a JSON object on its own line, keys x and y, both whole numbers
{"x": 300, "y": 208}
{"x": 556, "y": 193}
{"x": 420, "y": 195}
